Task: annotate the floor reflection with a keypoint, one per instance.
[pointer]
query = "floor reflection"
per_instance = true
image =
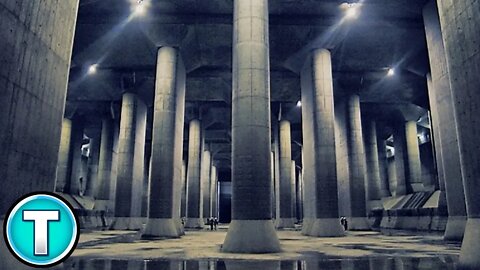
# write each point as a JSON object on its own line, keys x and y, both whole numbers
{"x": 441, "y": 262}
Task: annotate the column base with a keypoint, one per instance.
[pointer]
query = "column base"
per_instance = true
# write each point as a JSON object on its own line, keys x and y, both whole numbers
{"x": 104, "y": 205}
{"x": 323, "y": 227}
{"x": 194, "y": 223}
{"x": 358, "y": 224}
{"x": 455, "y": 228}
{"x": 285, "y": 223}
{"x": 161, "y": 227}
{"x": 469, "y": 258}
{"x": 127, "y": 223}
{"x": 251, "y": 236}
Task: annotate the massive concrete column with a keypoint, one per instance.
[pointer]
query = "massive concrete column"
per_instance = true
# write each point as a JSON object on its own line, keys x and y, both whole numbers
{"x": 320, "y": 176}
{"x": 399, "y": 143}
{"x": 251, "y": 229}
{"x": 103, "y": 195}
{"x": 194, "y": 199}
{"x": 92, "y": 180}
{"x": 284, "y": 217}
{"x": 74, "y": 185}
{"x": 413, "y": 157}
{"x": 130, "y": 164}
{"x": 213, "y": 192}
{"x": 64, "y": 165}
{"x": 166, "y": 165}
{"x": 356, "y": 162}
{"x": 460, "y": 27}
{"x": 183, "y": 203}
{"x": 35, "y": 54}
{"x": 205, "y": 182}
{"x": 444, "y": 126}
{"x": 383, "y": 166}
{"x": 373, "y": 166}
{"x": 293, "y": 181}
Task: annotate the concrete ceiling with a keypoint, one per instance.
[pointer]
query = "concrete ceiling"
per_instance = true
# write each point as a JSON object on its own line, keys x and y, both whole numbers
{"x": 387, "y": 33}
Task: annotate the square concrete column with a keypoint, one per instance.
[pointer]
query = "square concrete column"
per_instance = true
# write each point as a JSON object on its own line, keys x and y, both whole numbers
{"x": 373, "y": 165}
{"x": 320, "y": 176}
{"x": 251, "y": 229}
{"x": 401, "y": 161}
{"x": 284, "y": 203}
{"x": 93, "y": 162}
{"x": 77, "y": 176}
{"x": 205, "y": 183}
{"x": 293, "y": 182}
{"x": 357, "y": 166}
{"x": 183, "y": 209}
{"x": 213, "y": 192}
{"x": 64, "y": 164}
{"x": 194, "y": 198}
{"x": 131, "y": 148}
{"x": 414, "y": 166}
{"x": 165, "y": 178}
{"x": 460, "y": 26}
{"x": 383, "y": 166}
{"x": 103, "y": 195}
{"x": 445, "y": 126}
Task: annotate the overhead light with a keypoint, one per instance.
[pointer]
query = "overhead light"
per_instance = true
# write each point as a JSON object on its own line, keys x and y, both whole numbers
{"x": 299, "y": 103}
{"x": 351, "y": 10}
{"x": 140, "y": 8}
{"x": 92, "y": 69}
{"x": 391, "y": 72}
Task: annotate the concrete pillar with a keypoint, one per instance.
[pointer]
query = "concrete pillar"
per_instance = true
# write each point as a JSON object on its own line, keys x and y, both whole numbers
{"x": 284, "y": 217}
{"x": 205, "y": 183}
{"x": 300, "y": 196}
{"x": 445, "y": 127}
{"x": 276, "y": 165}
{"x": 103, "y": 195}
{"x": 251, "y": 229}
{"x": 293, "y": 182}
{"x": 413, "y": 157}
{"x": 320, "y": 176}
{"x": 357, "y": 166}
{"x": 75, "y": 183}
{"x": 35, "y": 58}
{"x": 183, "y": 210}
{"x": 93, "y": 160}
{"x": 194, "y": 199}
{"x": 399, "y": 143}
{"x": 272, "y": 170}
{"x": 213, "y": 192}
{"x": 131, "y": 148}
{"x": 383, "y": 167}
{"x": 166, "y": 165}
{"x": 64, "y": 164}
{"x": 373, "y": 166}
{"x": 460, "y": 27}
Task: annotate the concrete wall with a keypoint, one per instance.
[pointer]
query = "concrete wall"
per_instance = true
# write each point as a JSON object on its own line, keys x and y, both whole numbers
{"x": 35, "y": 51}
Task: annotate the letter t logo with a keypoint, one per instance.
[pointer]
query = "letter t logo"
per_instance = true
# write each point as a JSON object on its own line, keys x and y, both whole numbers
{"x": 40, "y": 223}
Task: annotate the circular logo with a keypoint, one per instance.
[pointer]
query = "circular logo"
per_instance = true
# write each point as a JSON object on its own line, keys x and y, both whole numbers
{"x": 41, "y": 229}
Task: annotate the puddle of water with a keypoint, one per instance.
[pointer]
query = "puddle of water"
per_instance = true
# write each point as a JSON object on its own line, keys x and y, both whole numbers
{"x": 384, "y": 263}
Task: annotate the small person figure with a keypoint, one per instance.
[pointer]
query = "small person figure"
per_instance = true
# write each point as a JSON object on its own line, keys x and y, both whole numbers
{"x": 215, "y": 223}
{"x": 210, "y": 221}
{"x": 344, "y": 222}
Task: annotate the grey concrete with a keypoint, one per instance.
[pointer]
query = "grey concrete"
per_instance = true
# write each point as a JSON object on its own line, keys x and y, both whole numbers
{"x": 357, "y": 166}
{"x": 205, "y": 179}
{"x": 320, "y": 177}
{"x": 444, "y": 126}
{"x": 276, "y": 164}
{"x": 131, "y": 149}
{"x": 103, "y": 195}
{"x": 413, "y": 157}
{"x": 293, "y": 181}
{"x": 251, "y": 229}
{"x": 372, "y": 165}
{"x": 183, "y": 205}
{"x": 460, "y": 26}
{"x": 93, "y": 162}
{"x": 163, "y": 211}
{"x": 383, "y": 168}
{"x": 64, "y": 164}
{"x": 194, "y": 199}
{"x": 342, "y": 158}
{"x": 74, "y": 185}
{"x": 213, "y": 192}
{"x": 401, "y": 163}
{"x": 284, "y": 199}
